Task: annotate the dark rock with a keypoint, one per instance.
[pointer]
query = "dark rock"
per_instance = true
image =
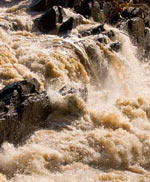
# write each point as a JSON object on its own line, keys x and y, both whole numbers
{"x": 81, "y": 91}
{"x": 147, "y": 42}
{"x": 49, "y": 19}
{"x": 58, "y": 3}
{"x": 115, "y": 46}
{"x": 98, "y": 29}
{"x": 110, "y": 34}
{"x": 95, "y": 12}
{"x": 132, "y": 12}
{"x": 101, "y": 38}
{"x": 83, "y": 7}
{"x": 22, "y": 87}
{"x": 60, "y": 14}
{"x": 111, "y": 11}
{"x": 19, "y": 118}
{"x": 39, "y": 5}
{"x": 66, "y": 26}
{"x": 93, "y": 31}
{"x": 136, "y": 28}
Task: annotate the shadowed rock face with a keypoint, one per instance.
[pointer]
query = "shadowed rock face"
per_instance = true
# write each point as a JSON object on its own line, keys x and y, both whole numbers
{"x": 93, "y": 31}
{"x": 66, "y": 26}
{"x": 21, "y": 111}
{"x": 38, "y": 5}
{"x": 49, "y": 19}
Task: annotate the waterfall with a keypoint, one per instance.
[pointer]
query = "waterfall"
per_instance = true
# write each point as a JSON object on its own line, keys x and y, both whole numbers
{"x": 102, "y": 138}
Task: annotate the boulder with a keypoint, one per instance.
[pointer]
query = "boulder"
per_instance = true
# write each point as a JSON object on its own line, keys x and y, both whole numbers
{"x": 101, "y": 38}
{"x": 22, "y": 111}
{"x": 136, "y": 28}
{"x": 49, "y": 19}
{"x": 132, "y": 13}
{"x": 83, "y": 7}
{"x": 115, "y": 46}
{"x": 66, "y": 26}
{"x": 93, "y": 31}
{"x": 111, "y": 11}
{"x": 110, "y": 34}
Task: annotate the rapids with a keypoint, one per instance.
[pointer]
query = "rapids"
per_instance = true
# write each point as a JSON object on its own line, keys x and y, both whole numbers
{"x": 105, "y": 139}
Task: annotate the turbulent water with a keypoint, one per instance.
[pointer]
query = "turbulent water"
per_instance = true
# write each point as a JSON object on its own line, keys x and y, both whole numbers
{"x": 106, "y": 138}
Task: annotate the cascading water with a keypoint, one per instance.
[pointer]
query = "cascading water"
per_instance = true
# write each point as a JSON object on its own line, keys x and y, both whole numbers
{"x": 104, "y": 139}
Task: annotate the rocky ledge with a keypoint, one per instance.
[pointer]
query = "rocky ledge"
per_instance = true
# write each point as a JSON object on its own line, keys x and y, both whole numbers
{"x": 22, "y": 110}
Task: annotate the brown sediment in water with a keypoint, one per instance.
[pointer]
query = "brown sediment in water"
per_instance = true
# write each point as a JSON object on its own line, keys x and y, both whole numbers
{"x": 103, "y": 139}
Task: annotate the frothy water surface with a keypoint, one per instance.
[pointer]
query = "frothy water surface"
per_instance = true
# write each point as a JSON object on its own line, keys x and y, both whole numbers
{"x": 105, "y": 139}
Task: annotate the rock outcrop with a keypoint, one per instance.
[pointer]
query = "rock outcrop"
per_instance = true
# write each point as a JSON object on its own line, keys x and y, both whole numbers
{"x": 49, "y": 19}
{"x": 22, "y": 110}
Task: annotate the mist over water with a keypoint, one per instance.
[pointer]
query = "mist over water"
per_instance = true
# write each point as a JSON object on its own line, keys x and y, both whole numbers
{"x": 106, "y": 138}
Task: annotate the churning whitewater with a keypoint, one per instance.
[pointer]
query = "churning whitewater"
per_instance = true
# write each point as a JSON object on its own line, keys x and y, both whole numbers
{"x": 105, "y": 137}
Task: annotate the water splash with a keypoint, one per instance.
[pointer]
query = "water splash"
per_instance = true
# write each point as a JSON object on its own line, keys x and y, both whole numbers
{"x": 105, "y": 139}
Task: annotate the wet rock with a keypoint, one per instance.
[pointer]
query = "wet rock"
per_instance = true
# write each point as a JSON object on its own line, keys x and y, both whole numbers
{"x": 111, "y": 11}
{"x": 22, "y": 87}
{"x": 66, "y": 26}
{"x": 83, "y": 7}
{"x": 93, "y": 31}
{"x": 39, "y": 5}
{"x": 98, "y": 65}
{"x": 132, "y": 12}
{"x": 95, "y": 12}
{"x": 110, "y": 34}
{"x": 115, "y": 46}
{"x": 81, "y": 91}
{"x": 136, "y": 28}
{"x": 23, "y": 113}
{"x": 101, "y": 38}
{"x": 78, "y": 20}
{"x": 49, "y": 19}
{"x": 147, "y": 42}
{"x": 147, "y": 21}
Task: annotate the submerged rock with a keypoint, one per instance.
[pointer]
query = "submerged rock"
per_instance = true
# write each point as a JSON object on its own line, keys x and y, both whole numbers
{"x": 93, "y": 31}
{"x": 115, "y": 46}
{"x": 110, "y": 34}
{"x": 81, "y": 91}
{"x": 21, "y": 111}
{"x": 101, "y": 38}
